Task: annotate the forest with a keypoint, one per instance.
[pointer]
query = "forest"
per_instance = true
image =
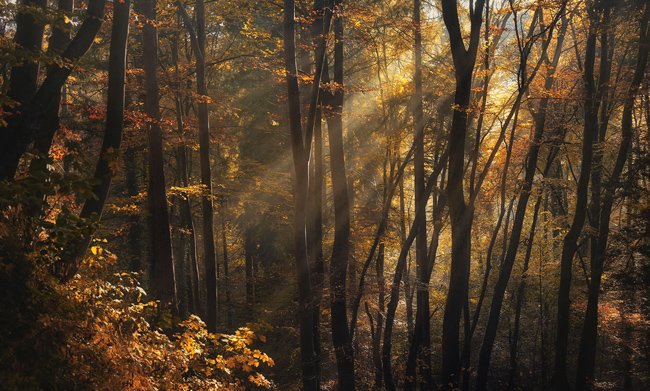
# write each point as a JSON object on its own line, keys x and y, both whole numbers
{"x": 324, "y": 195}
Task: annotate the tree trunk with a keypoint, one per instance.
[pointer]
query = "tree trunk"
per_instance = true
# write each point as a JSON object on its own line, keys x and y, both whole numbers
{"x": 59, "y": 39}
{"x": 94, "y": 207}
{"x": 25, "y": 128}
{"x": 421, "y": 344}
{"x": 207, "y": 212}
{"x": 397, "y": 279}
{"x": 459, "y": 212}
{"x": 300, "y": 147}
{"x": 226, "y": 266}
{"x": 570, "y": 242}
{"x": 198, "y": 39}
{"x": 162, "y": 263}
{"x": 183, "y": 155}
{"x": 133, "y": 236}
{"x": 341, "y": 248}
{"x": 23, "y": 80}
{"x": 249, "y": 267}
{"x": 381, "y": 304}
{"x": 588, "y": 342}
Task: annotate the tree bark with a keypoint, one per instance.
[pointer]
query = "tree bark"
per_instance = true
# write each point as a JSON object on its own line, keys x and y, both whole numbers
{"x": 198, "y": 39}
{"x": 25, "y": 128}
{"x": 570, "y": 242}
{"x": 421, "y": 343}
{"x": 393, "y": 301}
{"x": 300, "y": 147}
{"x": 341, "y": 338}
{"x": 162, "y": 263}
{"x": 108, "y": 154}
{"x": 589, "y": 339}
{"x": 460, "y": 213}
{"x": 59, "y": 39}
{"x": 23, "y": 80}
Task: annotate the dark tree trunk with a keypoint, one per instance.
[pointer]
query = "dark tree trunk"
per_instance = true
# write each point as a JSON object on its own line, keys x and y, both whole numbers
{"x": 341, "y": 248}
{"x": 397, "y": 279}
{"x": 316, "y": 190}
{"x": 25, "y": 128}
{"x": 300, "y": 147}
{"x": 133, "y": 236}
{"x": 570, "y": 242}
{"x": 381, "y": 304}
{"x": 23, "y": 80}
{"x": 162, "y": 263}
{"x": 183, "y": 155}
{"x": 249, "y": 267}
{"x": 59, "y": 39}
{"x": 316, "y": 243}
{"x": 198, "y": 39}
{"x": 521, "y": 291}
{"x": 459, "y": 212}
{"x": 207, "y": 212}
{"x": 389, "y": 381}
{"x": 109, "y": 152}
{"x": 588, "y": 342}
{"x": 421, "y": 343}
{"x": 226, "y": 266}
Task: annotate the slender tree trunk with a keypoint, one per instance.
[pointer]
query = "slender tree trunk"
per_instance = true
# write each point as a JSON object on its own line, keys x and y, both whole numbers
{"x": 191, "y": 240}
{"x": 524, "y": 275}
{"x": 198, "y": 39}
{"x": 397, "y": 279}
{"x": 207, "y": 212}
{"x": 249, "y": 254}
{"x": 521, "y": 291}
{"x": 408, "y": 291}
{"x": 162, "y": 263}
{"x": 316, "y": 248}
{"x": 183, "y": 154}
{"x": 389, "y": 381}
{"x": 300, "y": 147}
{"x": 341, "y": 248}
{"x": 460, "y": 214}
{"x": 226, "y": 266}
{"x": 59, "y": 39}
{"x": 421, "y": 344}
{"x": 316, "y": 189}
{"x": 109, "y": 152}
{"x": 570, "y": 242}
{"x": 133, "y": 236}
{"x": 588, "y": 342}
{"x": 381, "y": 304}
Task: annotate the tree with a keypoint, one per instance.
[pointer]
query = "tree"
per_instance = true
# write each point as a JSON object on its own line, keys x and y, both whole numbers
{"x": 588, "y": 341}
{"x": 93, "y": 207}
{"x": 341, "y": 248}
{"x": 300, "y": 148}
{"x": 209, "y": 252}
{"x": 464, "y": 60}
{"x": 24, "y": 129}
{"x": 162, "y": 263}
{"x": 421, "y": 346}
